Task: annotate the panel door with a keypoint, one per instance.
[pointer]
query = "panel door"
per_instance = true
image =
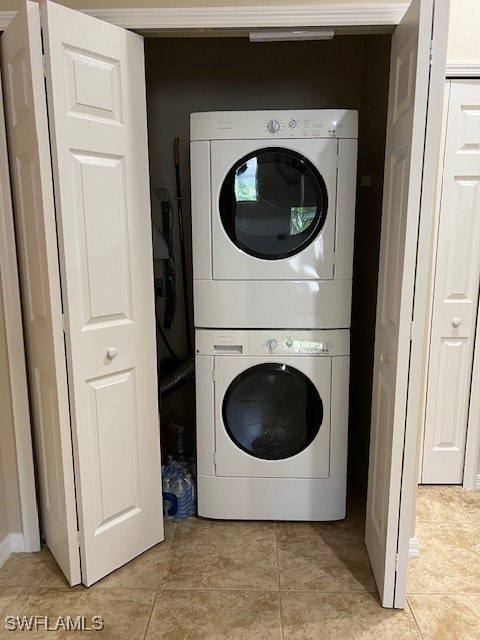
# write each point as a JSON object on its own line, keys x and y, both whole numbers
{"x": 407, "y": 110}
{"x": 30, "y": 167}
{"x": 96, "y": 99}
{"x": 456, "y": 291}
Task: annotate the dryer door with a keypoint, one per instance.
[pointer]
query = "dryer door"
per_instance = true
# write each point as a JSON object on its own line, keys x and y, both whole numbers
{"x": 273, "y": 418}
{"x": 273, "y": 209}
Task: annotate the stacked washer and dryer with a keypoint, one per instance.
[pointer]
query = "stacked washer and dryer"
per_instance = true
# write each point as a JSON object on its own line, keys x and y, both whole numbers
{"x": 273, "y": 205}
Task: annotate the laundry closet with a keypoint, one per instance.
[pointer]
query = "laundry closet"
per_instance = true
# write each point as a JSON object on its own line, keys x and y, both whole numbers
{"x": 92, "y": 322}
{"x": 191, "y": 74}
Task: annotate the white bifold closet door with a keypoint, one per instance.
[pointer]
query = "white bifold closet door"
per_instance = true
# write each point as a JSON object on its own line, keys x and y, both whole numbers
{"x": 108, "y": 411}
{"x": 455, "y": 301}
{"x": 406, "y": 124}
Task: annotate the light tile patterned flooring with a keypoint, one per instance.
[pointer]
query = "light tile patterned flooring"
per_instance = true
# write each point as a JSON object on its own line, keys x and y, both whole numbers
{"x": 214, "y": 580}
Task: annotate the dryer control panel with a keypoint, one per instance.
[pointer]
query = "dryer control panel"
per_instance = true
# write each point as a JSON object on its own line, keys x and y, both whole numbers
{"x": 275, "y": 342}
{"x": 258, "y": 125}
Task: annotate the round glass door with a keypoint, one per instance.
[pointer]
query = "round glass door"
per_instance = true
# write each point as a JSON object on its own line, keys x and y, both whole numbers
{"x": 273, "y": 203}
{"x": 272, "y": 411}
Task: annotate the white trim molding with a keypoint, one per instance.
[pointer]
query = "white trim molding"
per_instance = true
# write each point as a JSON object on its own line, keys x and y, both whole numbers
{"x": 463, "y": 69}
{"x": 17, "y": 542}
{"x": 5, "y": 549}
{"x": 15, "y": 352}
{"x": 477, "y": 482}
{"x": 414, "y": 548}
{"x": 326, "y": 15}
{"x": 12, "y": 543}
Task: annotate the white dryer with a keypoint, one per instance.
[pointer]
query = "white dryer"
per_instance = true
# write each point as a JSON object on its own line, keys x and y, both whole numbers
{"x": 272, "y": 413}
{"x": 273, "y": 200}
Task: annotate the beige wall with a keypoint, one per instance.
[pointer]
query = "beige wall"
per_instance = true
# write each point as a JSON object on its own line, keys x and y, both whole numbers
{"x": 10, "y": 514}
{"x": 463, "y": 32}
{"x": 8, "y": 5}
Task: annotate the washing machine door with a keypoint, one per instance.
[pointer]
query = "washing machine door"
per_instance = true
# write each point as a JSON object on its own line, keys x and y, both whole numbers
{"x": 273, "y": 417}
{"x": 273, "y": 209}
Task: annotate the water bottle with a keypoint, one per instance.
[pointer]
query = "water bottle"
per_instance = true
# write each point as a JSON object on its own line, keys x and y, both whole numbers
{"x": 191, "y": 494}
{"x": 170, "y": 500}
{"x": 182, "y": 494}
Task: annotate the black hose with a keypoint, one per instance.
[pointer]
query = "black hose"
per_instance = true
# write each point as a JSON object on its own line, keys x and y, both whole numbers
{"x": 178, "y": 378}
{"x": 165, "y": 340}
{"x": 182, "y": 245}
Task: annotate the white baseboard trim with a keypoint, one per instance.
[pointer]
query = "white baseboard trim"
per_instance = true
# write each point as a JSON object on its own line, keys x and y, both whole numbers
{"x": 414, "y": 548}
{"x": 12, "y": 543}
{"x": 323, "y": 15}
{"x": 477, "y": 482}
{"x": 17, "y": 542}
{"x": 5, "y": 549}
{"x": 463, "y": 69}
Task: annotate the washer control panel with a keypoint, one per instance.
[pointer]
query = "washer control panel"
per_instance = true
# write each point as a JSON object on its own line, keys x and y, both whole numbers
{"x": 294, "y": 345}
{"x": 279, "y": 343}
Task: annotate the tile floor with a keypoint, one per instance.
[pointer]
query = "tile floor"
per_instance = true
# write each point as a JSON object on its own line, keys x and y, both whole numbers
{"x": 268, "y": 581}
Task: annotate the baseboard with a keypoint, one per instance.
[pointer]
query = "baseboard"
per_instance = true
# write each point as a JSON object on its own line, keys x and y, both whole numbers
{"x": 17, "y": 542}
{"x": 5, "y": 549}
{"x": 477, "y": 482}
{"x": 414, "y": 548}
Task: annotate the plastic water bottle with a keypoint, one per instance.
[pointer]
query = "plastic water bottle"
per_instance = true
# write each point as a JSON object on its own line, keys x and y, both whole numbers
{"x": 170, "y": 500}
{"x": 191, "y": 494}
{"x": 182, "y": 494}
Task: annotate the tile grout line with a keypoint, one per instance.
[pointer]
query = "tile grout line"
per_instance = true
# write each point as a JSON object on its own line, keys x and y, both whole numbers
{"x": 160, "y": 582}
{"x": 415, "y": 619}
{"x": 280, "y": 609}
{"x": 169, "y": 557}
{"x": 151, "y": 613}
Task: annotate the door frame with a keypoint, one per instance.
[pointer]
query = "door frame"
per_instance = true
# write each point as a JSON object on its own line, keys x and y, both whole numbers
{"x": 374, "y": 18}
{"x": 169, "y": 18}
{"x": 378, "y": 18}
{"x": 17, "y": 371}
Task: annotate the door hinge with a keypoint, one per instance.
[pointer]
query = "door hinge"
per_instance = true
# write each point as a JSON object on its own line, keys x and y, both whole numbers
{"x": 338, "y": 160}
{"x": 63, "y": 322}
{"x": 411, "y": 331}
{"x": 44, "y": 66}
{"x": 334, "y": 258}
{"x": 431, "y": 52}
{"x": 215, "y": 460}
{"x": 213, "y": 375}
{"x": 396, "y": 562}
{"x": 78, "y": 538}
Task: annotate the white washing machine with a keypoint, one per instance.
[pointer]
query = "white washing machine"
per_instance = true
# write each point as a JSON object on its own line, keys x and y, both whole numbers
{"x": 272, "y": 413}
{"x": 273, "y": 203}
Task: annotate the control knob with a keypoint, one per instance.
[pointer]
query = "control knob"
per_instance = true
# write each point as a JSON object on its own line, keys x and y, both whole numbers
{"x": 272, "y": 344}
{"x": 273, "y": 126}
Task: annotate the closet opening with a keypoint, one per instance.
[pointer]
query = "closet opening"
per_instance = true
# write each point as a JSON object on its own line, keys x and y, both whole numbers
{"x": 202, "y": 74}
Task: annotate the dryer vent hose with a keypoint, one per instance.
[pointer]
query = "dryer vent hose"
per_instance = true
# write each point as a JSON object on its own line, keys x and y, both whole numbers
{"x": 178, "y": 378}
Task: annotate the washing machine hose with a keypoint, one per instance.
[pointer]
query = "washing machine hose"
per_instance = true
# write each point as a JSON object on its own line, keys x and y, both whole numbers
{"x": 178, "y": 378}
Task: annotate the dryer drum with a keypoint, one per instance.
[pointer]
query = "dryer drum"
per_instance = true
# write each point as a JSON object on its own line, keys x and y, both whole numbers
{"x": 273, "y": 203}
{"x": 272, "y": 411}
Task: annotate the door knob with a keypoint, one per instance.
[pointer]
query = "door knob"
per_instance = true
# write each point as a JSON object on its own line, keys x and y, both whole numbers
{"x": 112, "y": 352}
{"x": 384, "y": 358}
{"x": 456, "y": 322}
